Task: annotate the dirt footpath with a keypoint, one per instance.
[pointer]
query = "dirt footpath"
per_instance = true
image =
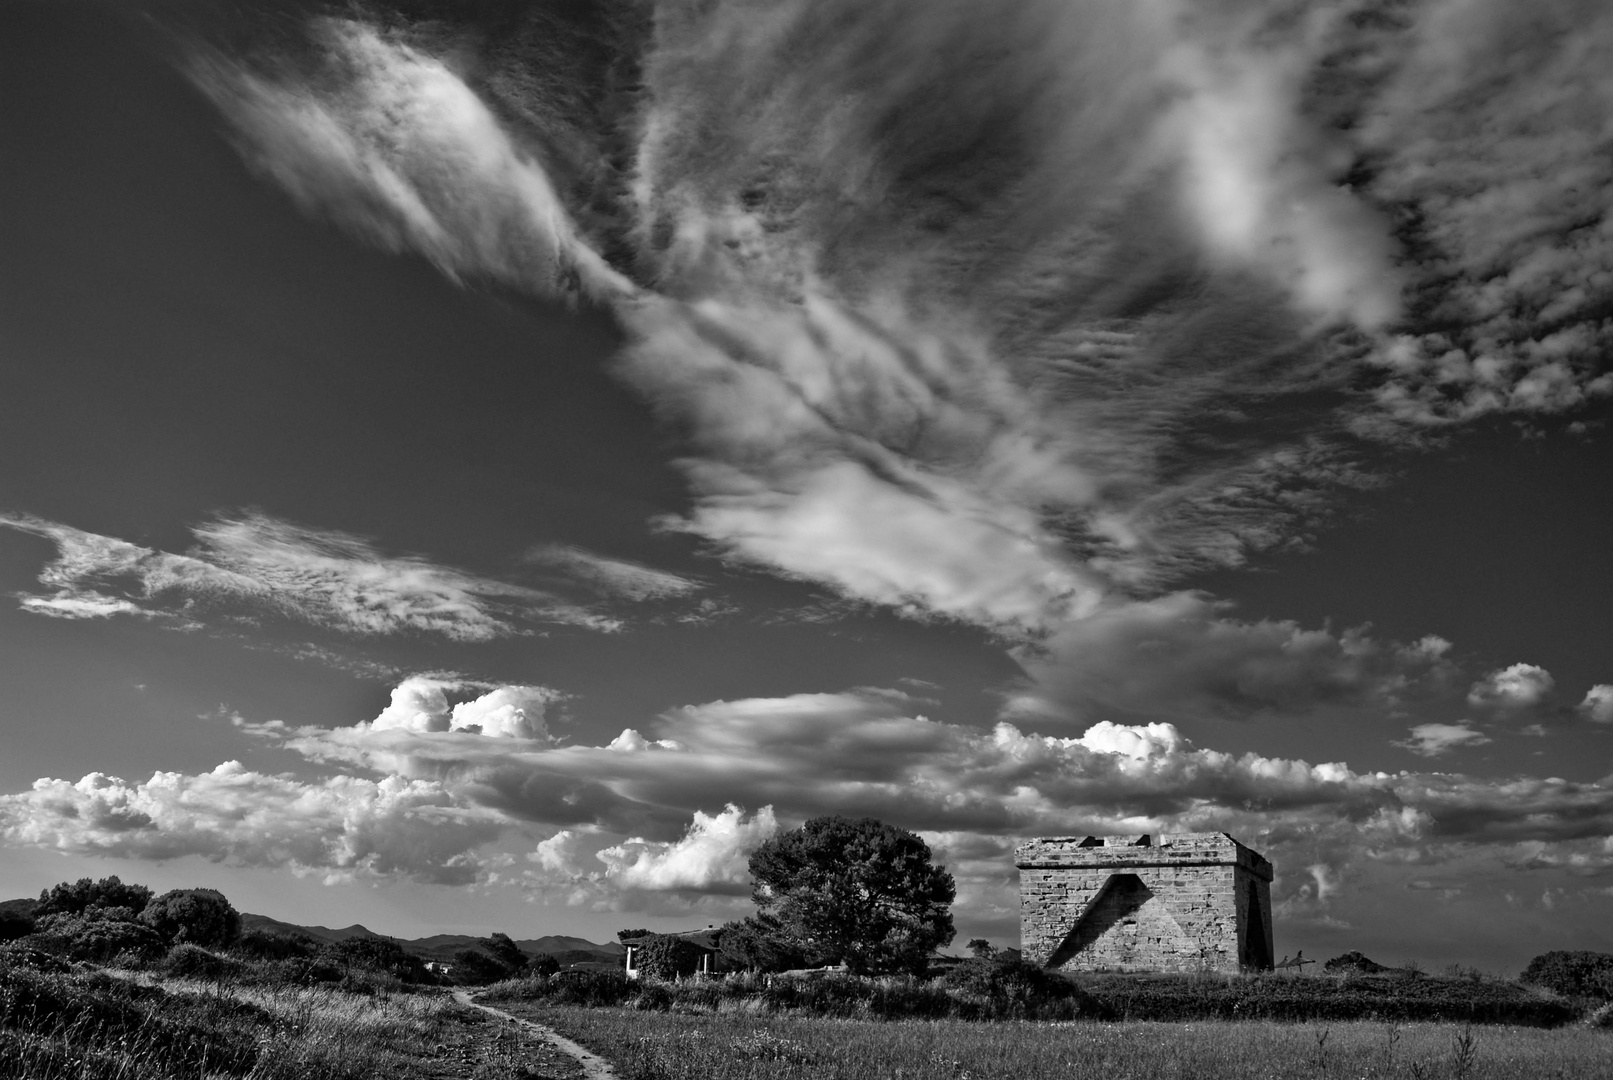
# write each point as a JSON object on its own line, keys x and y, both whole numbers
{"x": 593, "y": 1066}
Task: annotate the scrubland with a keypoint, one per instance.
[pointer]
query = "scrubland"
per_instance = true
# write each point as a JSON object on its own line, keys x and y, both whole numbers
{"x": 75, "y": 1023}
{"x": 346, "y": 1013}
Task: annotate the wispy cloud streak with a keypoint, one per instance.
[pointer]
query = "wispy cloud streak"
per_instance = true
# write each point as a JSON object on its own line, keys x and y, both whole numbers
{"x": 322, "y": 576}
{"x": 993, "y": 312}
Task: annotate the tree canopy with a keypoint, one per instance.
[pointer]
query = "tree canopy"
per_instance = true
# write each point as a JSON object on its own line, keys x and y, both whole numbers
{"x": 857, "y": 891}
{"x": 77, "y": 897}
{"x": 197, "y": 916}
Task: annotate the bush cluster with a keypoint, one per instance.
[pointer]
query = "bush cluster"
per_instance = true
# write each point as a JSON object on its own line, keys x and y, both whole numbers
{"x": 1574, "y": 974}
{"x": 666, "y": 956}
{"x": 886, "y": 998}
{"x": 108, "y": 920}
{"x": 988, "y": 989}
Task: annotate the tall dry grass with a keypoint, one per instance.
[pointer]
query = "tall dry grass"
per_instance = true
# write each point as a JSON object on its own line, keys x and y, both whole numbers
{"x": 736, "y": 1045}
{"x": 99, "y": 1025}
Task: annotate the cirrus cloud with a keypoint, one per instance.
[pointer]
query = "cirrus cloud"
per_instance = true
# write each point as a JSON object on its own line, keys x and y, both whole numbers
{"x": 268, "y": 566}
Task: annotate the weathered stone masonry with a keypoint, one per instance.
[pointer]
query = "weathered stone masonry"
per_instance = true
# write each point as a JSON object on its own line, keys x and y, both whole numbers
{"x": 1182, "y": 902}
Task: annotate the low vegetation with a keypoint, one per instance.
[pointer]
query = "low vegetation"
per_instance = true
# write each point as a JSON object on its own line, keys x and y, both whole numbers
{"x": 102, "y": 980}
{"x": 95, "y": 1025}
{"x": 989, "y": 989}
{"x": 738, "y": 1045}
{"x": 1573, "y": 974}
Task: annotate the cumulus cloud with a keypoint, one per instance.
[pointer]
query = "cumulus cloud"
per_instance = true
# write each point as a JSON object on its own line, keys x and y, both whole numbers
{"x": 1432, "y": 740}
{"x": 330, "y": 578}
{"x": 712, "y": 857}
{"x": 342, "y": 827}
{"x": 420, "y": 704}
{"x": 1598, "y": 704}
{"x": 1512, "y": 689}
{"x": 633, "y": 824}
{"x": 869, "y": 752}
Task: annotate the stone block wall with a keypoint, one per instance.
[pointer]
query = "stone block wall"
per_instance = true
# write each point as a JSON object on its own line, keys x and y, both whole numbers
{"x": 1184, "y": 902}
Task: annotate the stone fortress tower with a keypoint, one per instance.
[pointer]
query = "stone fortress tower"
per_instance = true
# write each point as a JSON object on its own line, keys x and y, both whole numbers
{"x": 1190, "y": 902}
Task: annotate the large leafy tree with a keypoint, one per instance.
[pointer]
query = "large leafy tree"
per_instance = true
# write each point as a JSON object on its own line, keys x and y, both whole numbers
{"x": 855, "y": 890}
{"x": 198, "y": 916}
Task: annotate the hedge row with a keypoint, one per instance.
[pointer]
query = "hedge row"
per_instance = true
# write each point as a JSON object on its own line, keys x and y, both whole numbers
{"x": 1384, "y": 997}
{"x": 989, "y": 991}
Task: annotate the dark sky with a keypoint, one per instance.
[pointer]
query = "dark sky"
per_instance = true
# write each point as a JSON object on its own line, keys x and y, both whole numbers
{"x": 933, "y": 454}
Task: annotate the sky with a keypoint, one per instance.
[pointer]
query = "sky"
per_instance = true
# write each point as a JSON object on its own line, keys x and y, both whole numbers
{"x": 490, "y": 466}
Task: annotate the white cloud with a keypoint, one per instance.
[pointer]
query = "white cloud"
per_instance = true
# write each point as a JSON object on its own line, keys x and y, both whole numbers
{"x": 1598, "y": 704}
{"x": 515, "y": 712}
{"x": 1432, "y": 740}
{"x": 420, "y": 705}
{"x": 85, "y": 604}
{"x": 408, "y": 156}
{"x": 322, "y": 576}
{"x": 340, "y": 827}
{"x": 1512, "y": 689}
{"x": 865, "y": 752}
{"x": 1062, "y": 340}
{"x": 712, "y": 857}
{"x": 1258, "y": 189}
{"x": 615, "y": 577}
{"x": 635, "y": 824}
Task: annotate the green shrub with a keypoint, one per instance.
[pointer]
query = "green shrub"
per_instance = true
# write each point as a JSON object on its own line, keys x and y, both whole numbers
{"x": 263, "y": 945}
{"x": 197, "y": 916}
{"x": 77, "y": 897}
{"x": 506, "y": 952}
{"x": 89, "y": 936}
{"x": 376, "y": 956}
{"x": 473, "y": 967}
{"x": 590, "y": 988}
{"x": 542, "y": 964}
{"x": 1574, "y": 974}
{"x": 1356, "y": 962}
{"x": 189, "y": 961}
{"x": 759, "y": 944}
{"x": 667, "y": 956}
{"x": 1012, "y": 986}
{"x": 653, "y": 997}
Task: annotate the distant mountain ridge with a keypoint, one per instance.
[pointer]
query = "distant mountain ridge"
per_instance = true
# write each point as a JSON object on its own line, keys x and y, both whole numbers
{"x": 566, "y": 949}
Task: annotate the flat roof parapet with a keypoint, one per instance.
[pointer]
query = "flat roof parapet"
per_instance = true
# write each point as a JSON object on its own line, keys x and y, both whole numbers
{"x": 1139, "y": 850}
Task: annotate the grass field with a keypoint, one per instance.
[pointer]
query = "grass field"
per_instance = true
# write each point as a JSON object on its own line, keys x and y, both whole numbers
{"x": 737, "y": 1046}
{"x": 102, "y": 1025}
